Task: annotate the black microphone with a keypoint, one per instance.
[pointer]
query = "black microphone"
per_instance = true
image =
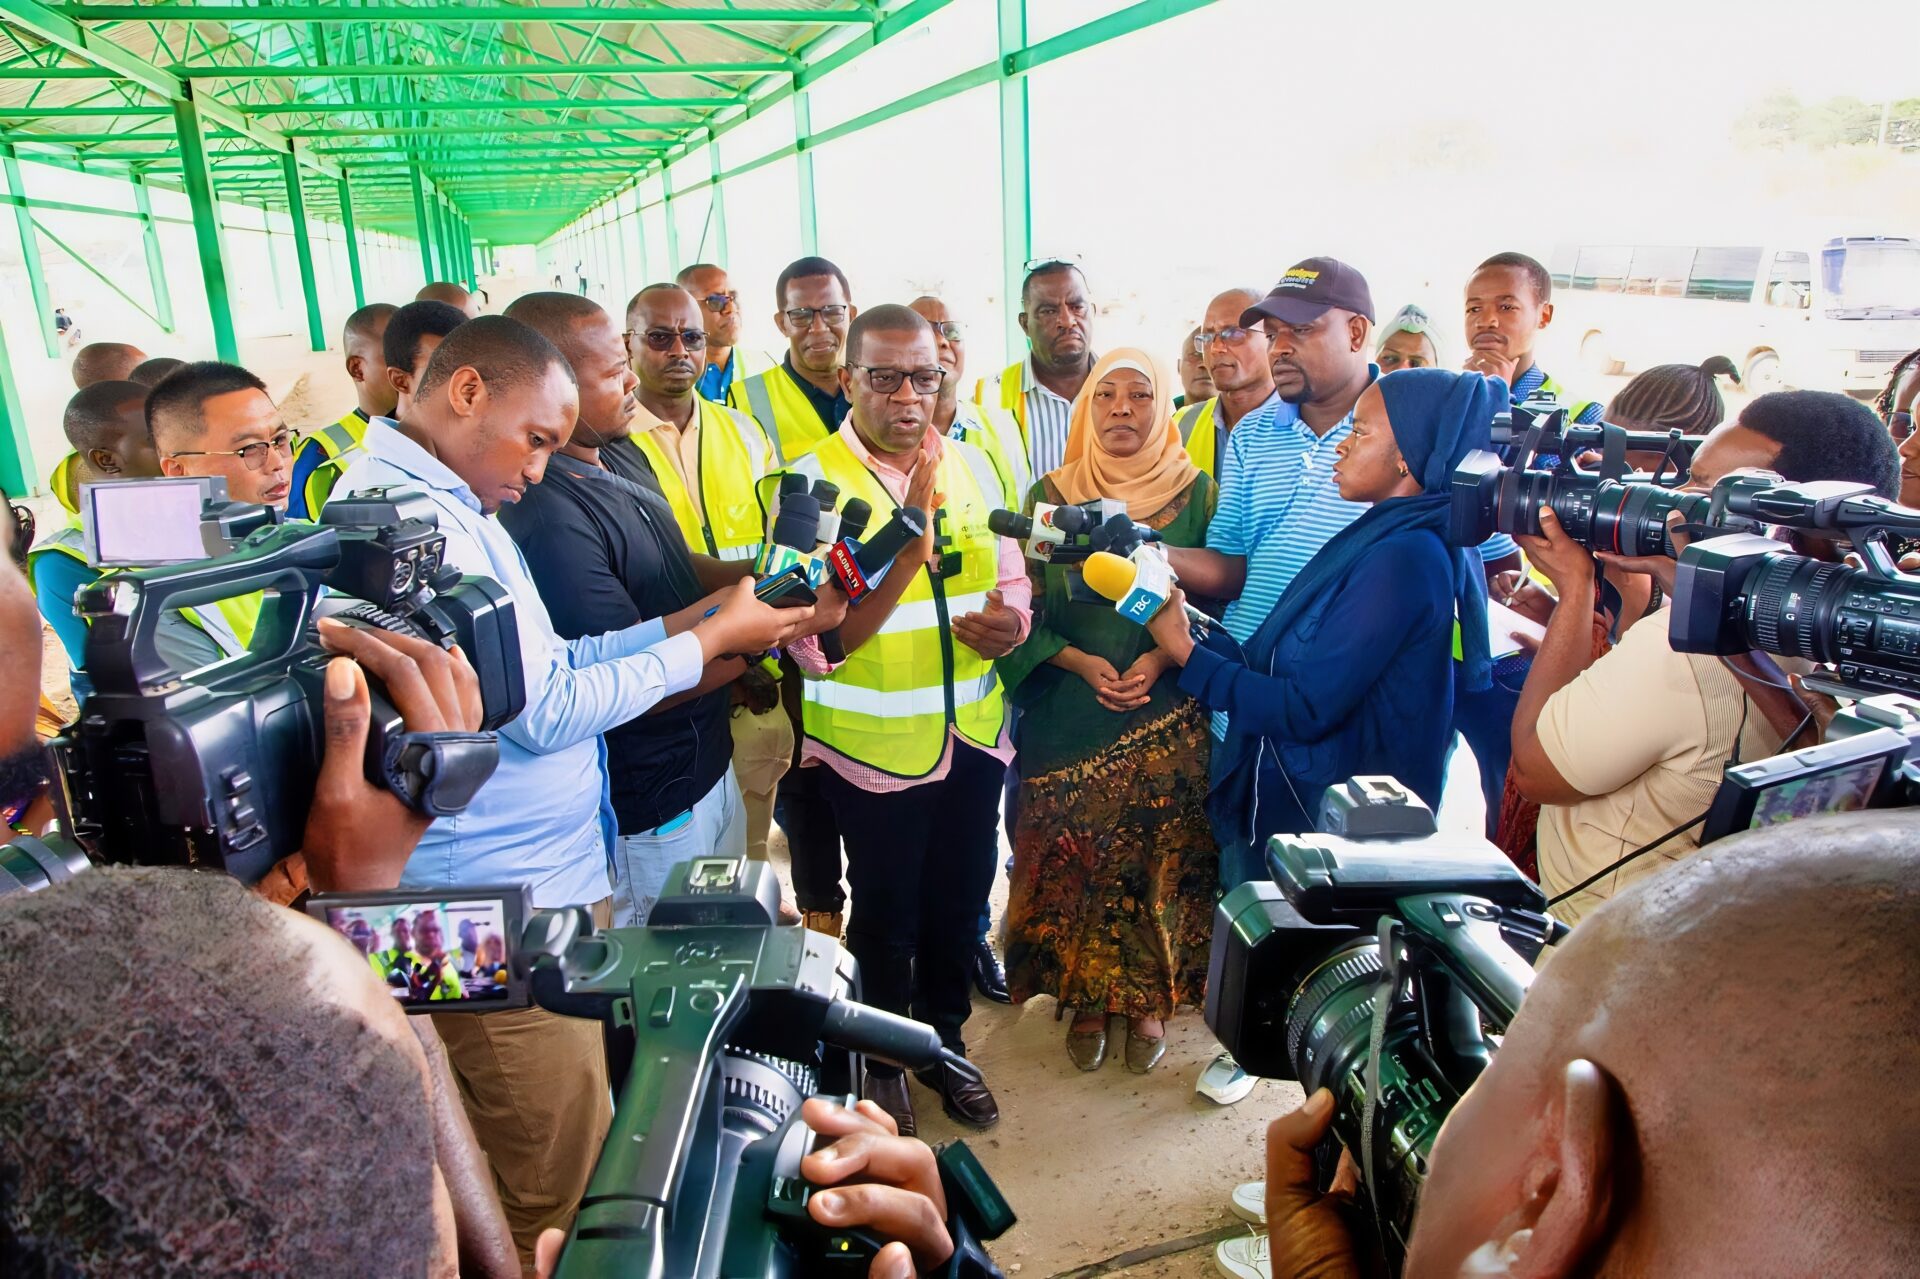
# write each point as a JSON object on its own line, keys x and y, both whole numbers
{"x": 795, "y": 531}
{"x": 1121, "y": 536}
{"x": 857, "y": 567}
{"x": 1010, "y": 524}
{"x": 827, "y": 493}
{"x": 854, "y": 518}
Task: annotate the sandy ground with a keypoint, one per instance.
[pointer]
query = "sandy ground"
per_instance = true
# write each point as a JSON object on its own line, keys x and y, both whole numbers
{"x": 1111, "y": 1173}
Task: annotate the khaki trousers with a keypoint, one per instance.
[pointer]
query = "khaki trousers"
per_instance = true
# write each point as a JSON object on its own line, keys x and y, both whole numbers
{"x": 762, "y": 750}
{"x": 535, "y": 1088}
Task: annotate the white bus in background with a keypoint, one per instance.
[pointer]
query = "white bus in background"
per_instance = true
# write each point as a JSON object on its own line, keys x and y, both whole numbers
{"x": 1825, "y": 314}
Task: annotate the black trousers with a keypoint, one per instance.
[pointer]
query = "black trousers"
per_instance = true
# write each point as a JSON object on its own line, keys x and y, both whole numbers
{"x": 918, "y": 863}
{"x": 813, "y": 839}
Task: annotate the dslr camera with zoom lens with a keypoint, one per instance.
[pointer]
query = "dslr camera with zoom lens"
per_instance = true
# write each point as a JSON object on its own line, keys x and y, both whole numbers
{"x": 216, "y": 768}
{"x": 1381, "y": 962}
{"x": 719, "y": 1024}
{"x": 1609, "y": 508}
{"x": 1738, "y": 594}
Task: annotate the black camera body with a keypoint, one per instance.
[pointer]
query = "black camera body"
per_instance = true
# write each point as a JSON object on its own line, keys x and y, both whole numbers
{"x": 1738, "y": 594}
{"x": 1381, "y": 941}
{"x": 1609, "y": 508}
{"x": 216, "y": 768}
{"x": 719, "y": 1024}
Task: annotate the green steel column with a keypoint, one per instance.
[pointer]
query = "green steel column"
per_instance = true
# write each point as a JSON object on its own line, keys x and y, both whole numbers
{"x": 18, "y": 474}
{"x": 353, "y": 241}
{"x": 1016, "y": 196}
{"x": 640, "y": 231}
{"x": 719, "y": 202}
{"x": 673, "y": 227}
{"x": 466, "y": 254}
{"x": 421, "y": 228}
{"x": 156, "y": 264}
{"x": 30, "y": 250}
{"x": 444, "y": 216}
{"x": 628, "y": 287}
{"x": 206, "y": 226}
{"x": 809, "y": 213}
{"x": 303, "y": 251}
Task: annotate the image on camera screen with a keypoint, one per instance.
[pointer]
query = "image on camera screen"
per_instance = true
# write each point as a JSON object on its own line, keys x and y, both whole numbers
{"x": 1839, "y": 790}
{"x": 431, "y": 953}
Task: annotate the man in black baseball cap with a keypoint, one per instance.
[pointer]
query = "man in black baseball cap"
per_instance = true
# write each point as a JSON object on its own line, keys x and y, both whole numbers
{"x": 1317, "y": 319}
{"x": 1311, "y": 288}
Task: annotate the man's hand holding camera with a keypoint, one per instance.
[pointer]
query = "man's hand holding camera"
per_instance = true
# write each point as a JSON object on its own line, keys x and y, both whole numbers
{"x": 360, "y": 835}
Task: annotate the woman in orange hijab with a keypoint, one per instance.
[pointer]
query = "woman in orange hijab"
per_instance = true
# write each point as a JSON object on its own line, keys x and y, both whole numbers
{"x": 1113, "y": 861}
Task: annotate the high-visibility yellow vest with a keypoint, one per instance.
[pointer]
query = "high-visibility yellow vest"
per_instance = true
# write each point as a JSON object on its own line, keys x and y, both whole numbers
{"x": 1200, "y": 433}
{"x": 733, "y": 455}
{"x": 338, "y": 443}
{"x": 65, "y": 483}
{"x": 891, "y": 704}
{"x": 774, "y": 400}
{"x": 1008, "y": 389}
{"x": 1551, "y": 386}
{"x": 992, "y": 430}
{"x": 745, "y": 364}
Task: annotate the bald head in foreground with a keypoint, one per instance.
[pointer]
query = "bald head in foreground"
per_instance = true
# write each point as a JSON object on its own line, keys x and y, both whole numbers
{"x": 105, "y": 362}
{"x": 1710, "y": 1077}
{"x": 454, "y": 295}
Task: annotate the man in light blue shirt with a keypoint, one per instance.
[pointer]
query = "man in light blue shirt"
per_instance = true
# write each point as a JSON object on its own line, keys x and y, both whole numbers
{"x": 495, "y": 402}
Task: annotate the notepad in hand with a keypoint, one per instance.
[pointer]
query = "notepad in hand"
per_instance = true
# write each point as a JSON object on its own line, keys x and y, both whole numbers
{"x": 1503, "y": 624}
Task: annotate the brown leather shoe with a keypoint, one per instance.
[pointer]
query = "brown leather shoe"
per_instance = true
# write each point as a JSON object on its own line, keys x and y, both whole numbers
{"x": 966, "y": 1101}
{"x": 890, "y": 1093}
{"x": 1088, "y": 1048}
{"x": 832, "y": 923}
{"x": 1144, "y": 1053}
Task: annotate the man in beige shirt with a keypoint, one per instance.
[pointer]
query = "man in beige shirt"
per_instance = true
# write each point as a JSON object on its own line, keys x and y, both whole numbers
{"x": 1627, "y": 750}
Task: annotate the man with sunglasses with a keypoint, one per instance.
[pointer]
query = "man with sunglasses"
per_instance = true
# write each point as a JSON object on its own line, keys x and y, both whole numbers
{"x": 705, "y": 459}
{"x": 727, "y": 363}
{"x": 799, "y": 402}
{"x": 1235, "y": 356}
{"x": 987, "y": 427}
{"x": 1057, "y": 316}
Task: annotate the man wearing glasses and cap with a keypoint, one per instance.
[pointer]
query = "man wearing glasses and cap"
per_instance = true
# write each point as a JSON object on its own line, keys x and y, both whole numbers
{"x": 1057, "y": 316}
{"x": 727, "y": 363}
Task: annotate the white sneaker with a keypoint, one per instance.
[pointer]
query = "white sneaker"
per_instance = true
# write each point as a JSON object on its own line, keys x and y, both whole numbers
{"x": 1250, "y": 1202}
{"x": 1244, "y": 1258}
{"x": 1224, "y": 1083}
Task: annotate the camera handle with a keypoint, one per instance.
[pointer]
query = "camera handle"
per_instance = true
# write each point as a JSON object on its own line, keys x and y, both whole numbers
{"x": 124, "y": 610}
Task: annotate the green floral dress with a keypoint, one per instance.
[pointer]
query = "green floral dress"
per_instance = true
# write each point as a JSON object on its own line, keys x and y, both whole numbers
{"x": 1114, "y": 865}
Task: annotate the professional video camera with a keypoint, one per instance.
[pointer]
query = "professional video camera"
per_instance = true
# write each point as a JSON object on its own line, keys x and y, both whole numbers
{"x": 1737, "y": 594}
{"x": 718, "y": 1025}
{"x": 1380, "y": 963}
{"x": 1609, "y": 508}
{"x": 215, "y": 768}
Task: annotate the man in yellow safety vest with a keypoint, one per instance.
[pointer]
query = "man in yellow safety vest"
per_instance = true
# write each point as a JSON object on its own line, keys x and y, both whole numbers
{"x": 1057, "y": 316}
{"x": 908, "y": 733}
{"x": 798, "y": 402}
{"x": 987, "y": 427}
{"x": 1236, "y": 359}
{"x": 728, "y": 363}
{"x": 318, "y": 463}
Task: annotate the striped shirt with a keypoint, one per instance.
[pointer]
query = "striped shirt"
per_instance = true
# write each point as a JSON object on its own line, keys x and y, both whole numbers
{"x": 1048, "y": 419}
{"x": 1278, "y": 506}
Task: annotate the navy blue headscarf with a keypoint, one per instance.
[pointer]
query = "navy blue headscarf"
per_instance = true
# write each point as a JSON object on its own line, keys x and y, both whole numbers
{"x": 1438, "y": 417}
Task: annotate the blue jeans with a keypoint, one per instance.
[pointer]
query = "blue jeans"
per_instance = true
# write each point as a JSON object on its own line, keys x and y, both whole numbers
{"x": 716, "y": 826}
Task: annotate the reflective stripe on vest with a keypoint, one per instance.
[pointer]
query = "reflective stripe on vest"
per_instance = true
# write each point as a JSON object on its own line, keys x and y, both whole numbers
{"x": 891, "y": 703}
{"x": 1010, "y": 389}
{"x": 784, "y": 412}
{"x": 1200, "y": 434}
{"x": 69, "y": 541}
{"x": 732, "y": 456}
{"x": 338, "y": 441}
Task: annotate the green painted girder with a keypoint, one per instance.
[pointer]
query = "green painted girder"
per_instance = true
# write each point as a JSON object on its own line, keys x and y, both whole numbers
{"x": 48, "y": 24}
{"x": 463, "y": 130}
{"x": 460, "y": 71}
{"x": 57, "y": 113}
{"x": 464, "y": 15}
{"x": 459, "y": 105}
{"x": 59, "y": 73}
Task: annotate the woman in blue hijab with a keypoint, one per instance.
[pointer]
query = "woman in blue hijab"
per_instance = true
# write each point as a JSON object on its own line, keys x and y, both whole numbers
{"x": 1354, "y": 670}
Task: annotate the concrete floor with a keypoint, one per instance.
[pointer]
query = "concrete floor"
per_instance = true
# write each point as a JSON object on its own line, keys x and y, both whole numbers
{"x": 1112, "y": 1174}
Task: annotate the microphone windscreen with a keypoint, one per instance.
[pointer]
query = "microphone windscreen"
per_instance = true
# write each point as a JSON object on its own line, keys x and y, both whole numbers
{"x": 827, "y": 493}
{"x": 798, "y": 524}
{"x": 879, "y": 551}
{"x": 855, "y": 517}
{"x": 792, "y": 482}
{"x": 1072, "y": 520}
{"x": 1010, "y": 524}
{"x": 1108, "y": 575}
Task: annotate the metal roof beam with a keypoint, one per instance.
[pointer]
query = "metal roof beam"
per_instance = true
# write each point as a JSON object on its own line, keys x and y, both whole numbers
{"x": 451, "y": 105}
{"x": 460, "y": 71}
{"x": 465, "y": 15}
{"x": 466, "y": 130}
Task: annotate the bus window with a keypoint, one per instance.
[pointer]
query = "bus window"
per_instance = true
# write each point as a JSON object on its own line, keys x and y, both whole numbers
{"x": 1790, "y": 281}
{"x": 1874, "y": 278}
{"x": 1723, "y": 274}
{"x": 1602, "y": 268}
{"x": 1659, "y": 271}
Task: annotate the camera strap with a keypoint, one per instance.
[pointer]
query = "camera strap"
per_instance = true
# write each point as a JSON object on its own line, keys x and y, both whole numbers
{"x": 1611, "y": 867}
{"x": 438, "y": 774}
{"x": 1383, "y": 996}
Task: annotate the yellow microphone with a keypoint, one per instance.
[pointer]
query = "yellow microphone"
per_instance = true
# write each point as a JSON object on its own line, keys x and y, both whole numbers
{"x": 1139, "y": 586}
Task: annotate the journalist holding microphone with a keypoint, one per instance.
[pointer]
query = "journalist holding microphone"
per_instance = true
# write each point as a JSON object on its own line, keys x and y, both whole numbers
{"x": 1353, "y": 671}
{"x": 1110, "y": 905}
{"x": 497, "y": 400}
